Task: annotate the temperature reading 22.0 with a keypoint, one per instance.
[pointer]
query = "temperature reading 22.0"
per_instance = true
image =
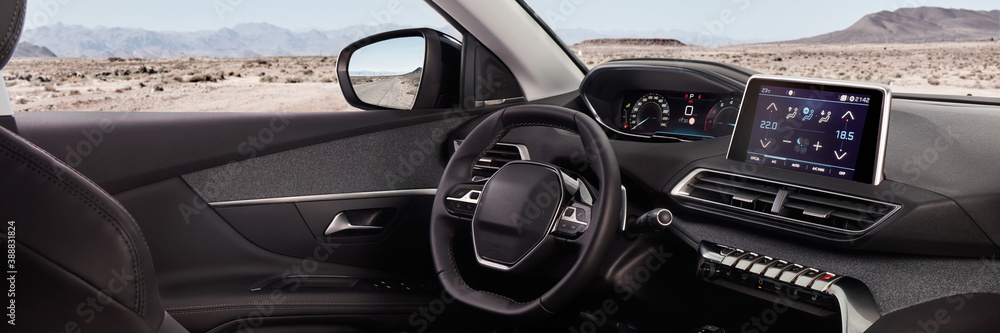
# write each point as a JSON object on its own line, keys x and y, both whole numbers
{"x": 768, "y": 125}
{"x": 845, "y": 135}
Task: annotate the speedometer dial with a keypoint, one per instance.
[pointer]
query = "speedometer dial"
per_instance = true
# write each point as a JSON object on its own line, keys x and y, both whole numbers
{"x": 721, "y": 119}
{"x": 648, "y": 113}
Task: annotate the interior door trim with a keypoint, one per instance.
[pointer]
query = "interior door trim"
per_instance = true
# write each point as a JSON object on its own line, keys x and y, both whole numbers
{"x": 327, "y": 197}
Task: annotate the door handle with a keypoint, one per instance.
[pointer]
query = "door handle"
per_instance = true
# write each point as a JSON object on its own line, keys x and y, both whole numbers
{"x": 341, "y": 223}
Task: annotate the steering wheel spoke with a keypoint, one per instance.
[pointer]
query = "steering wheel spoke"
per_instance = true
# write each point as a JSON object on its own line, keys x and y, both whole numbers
{"x": 573, "y": 221}
{"x": 463, "y": 199}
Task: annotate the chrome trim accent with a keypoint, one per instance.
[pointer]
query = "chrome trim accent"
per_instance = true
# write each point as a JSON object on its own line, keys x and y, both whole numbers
{"x": 571, "y": 218}
{"x": 680, "y": 191}
{"x": 327, "y": 197}
{"x": 522, "y": 150}
{"x": 341, "y": 223}
{"x": 624, "y": 207}
{"x": 879, "y": 171}
{"x": 495, "y": 102}
{"x": 857, "y": 306}
{"x": 669, "y": 221}
{"x": 467, "y": 198}
{"x": 552, "y": 223}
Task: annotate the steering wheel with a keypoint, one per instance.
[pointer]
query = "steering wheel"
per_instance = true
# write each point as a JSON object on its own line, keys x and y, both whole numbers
{"x": 524, "y": 210}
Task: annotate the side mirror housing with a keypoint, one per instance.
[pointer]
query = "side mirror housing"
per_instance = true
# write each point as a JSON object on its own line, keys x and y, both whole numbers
{"x": 408, "y": 69}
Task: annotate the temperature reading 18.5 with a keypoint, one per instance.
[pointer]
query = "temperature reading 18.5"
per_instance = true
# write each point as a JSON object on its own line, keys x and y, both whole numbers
{"x": 845, "y": 135}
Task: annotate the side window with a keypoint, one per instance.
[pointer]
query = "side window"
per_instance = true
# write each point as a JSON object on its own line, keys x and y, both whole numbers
{"x": 197, "y": 55}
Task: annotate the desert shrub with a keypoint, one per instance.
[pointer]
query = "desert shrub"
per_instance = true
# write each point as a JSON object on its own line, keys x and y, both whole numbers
{"x": 294, "y": 79}
{"x": 269, "y": 79}
{"x": 933, "y": 81}
{"x": 50, "y": 88}
{"x": 74, "y": 92}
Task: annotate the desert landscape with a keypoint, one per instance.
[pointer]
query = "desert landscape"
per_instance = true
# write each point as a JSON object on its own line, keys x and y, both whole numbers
{"x": 303, "y": 84}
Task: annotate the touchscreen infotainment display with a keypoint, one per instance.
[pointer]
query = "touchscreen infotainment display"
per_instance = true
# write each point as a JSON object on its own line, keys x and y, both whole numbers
{"x": 820, "y": 127}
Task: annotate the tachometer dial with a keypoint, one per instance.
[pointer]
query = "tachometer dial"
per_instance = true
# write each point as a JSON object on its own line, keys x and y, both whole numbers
{"x": 721, "y": 119}
{"x": 648, "y": 113}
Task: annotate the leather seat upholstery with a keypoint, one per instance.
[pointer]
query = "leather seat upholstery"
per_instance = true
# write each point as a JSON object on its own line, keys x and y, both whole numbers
{"x": 80, "y": 259}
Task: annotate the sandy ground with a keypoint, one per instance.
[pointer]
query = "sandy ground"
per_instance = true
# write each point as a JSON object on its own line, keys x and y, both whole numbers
{"x": 191, "y": 84}
{"x": 297, "y": 84}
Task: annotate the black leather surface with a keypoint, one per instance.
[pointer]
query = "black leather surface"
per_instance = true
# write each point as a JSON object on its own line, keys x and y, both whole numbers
{"x": 12, "y": 16}
{"x": 78, "y": 245}
{"x": 532, "y": 192}
{"x": 593, "y": 244}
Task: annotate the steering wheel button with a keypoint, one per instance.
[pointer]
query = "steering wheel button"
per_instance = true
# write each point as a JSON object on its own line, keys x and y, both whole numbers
{"x": 569, "y": 212}
{"x": 581, "y": 215}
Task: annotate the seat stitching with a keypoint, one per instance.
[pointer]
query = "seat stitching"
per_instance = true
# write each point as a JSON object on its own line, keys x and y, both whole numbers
{"x": 33, "y": 163}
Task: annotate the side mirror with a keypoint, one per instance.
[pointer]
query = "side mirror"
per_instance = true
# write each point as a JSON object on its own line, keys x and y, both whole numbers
{"x": 407, "y": 69}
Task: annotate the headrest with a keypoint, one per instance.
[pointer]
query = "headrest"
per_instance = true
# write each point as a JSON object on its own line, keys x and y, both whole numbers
{"x": 11, "y": 22}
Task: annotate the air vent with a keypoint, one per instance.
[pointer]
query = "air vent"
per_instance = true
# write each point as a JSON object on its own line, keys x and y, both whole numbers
{"x": 783, "y": 202}
{"x": 495, "y": 158}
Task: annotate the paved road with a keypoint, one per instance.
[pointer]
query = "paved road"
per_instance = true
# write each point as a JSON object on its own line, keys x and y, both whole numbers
{"x": 389, "y": 92}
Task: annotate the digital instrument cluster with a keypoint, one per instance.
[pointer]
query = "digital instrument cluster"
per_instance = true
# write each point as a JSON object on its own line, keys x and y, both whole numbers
{"x": 687, "y": 115}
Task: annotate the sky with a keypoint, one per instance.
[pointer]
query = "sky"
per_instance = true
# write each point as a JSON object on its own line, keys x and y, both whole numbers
{"x": 391, "y": 57}
{"x": 756, "y": 20}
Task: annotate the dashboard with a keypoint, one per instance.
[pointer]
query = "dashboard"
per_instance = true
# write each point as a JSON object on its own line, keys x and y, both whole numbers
{"x": 929, "y": 211}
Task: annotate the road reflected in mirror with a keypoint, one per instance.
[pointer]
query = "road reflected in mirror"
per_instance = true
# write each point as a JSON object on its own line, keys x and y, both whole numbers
{"x": 388, "y": 73}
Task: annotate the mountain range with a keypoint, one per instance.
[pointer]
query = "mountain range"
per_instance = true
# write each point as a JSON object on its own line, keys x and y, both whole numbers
{"x": 922, "y": 24}
{"x": 243, "y": 40}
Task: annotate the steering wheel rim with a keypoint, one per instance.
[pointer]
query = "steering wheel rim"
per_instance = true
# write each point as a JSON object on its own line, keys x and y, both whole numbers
{"x": 593, "y": 243}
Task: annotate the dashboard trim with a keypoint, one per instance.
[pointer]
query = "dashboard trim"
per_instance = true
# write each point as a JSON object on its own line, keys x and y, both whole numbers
{"x": 678, "y": 192}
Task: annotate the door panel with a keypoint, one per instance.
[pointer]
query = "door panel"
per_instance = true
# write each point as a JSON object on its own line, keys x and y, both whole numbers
{"x": 234, "y": 208}
{"x": 123, "y": 150}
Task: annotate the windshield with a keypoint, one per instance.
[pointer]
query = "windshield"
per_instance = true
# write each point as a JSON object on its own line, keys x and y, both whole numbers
{"x": 917, "y": 46}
